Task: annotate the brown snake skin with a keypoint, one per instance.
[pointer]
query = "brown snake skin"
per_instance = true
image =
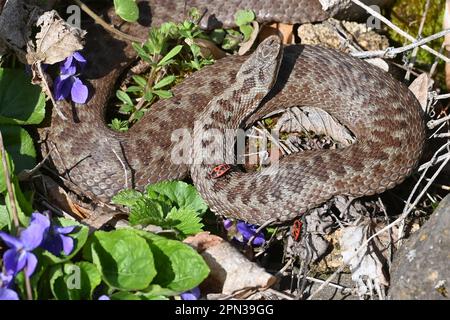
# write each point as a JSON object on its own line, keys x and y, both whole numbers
{"x": 382, "y": 113}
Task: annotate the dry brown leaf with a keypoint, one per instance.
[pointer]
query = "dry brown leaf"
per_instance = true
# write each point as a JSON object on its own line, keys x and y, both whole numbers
{"x": 420, "y": 88}
{"x": 55, "y": 41}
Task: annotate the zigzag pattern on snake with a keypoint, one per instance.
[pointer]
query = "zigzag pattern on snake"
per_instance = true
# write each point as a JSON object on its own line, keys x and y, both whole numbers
{"x": 383, "y": 114}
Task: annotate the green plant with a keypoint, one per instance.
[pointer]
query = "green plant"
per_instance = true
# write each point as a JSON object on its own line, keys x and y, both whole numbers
{"x": 175, "y": 206}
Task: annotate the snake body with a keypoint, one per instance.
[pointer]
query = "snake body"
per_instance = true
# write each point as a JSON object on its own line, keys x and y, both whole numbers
{"x": 383, "y": 114}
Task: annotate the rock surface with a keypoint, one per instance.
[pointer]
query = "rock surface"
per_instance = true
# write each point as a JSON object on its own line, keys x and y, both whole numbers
{"x": 421, "y": 268}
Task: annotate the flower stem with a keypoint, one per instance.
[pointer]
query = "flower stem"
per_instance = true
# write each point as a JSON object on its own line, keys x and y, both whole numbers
{"x": 108, "y": 27}
{"x": 9, "y": 185}
{"x": 28, "y": 286}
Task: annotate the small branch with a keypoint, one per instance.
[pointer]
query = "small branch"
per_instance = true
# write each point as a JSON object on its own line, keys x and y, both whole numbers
{"x": 419, "y": 35}
{"x": 108, "y": 27}
{"x": 398, "y": 30}
{"x": 434, "y": 123}
{"x": 393, "y": 52}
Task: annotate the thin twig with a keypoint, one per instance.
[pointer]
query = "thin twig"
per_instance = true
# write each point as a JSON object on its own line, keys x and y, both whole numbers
{"x": 393, "y": 52}
{"x": 398, "y": 30}
{"x": 108, "y": 27}
{"x": 434, "y": 123}
{"x": 344, "y": 290}
{"x": 419, "y": 35}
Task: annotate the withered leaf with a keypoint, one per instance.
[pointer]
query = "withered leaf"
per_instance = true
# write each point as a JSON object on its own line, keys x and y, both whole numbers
{"x": 55, "y": 41}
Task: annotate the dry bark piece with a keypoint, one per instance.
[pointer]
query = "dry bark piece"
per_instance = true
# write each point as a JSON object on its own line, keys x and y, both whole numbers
{"x": 231, "y": 271}
{"x": 55, "y": 41}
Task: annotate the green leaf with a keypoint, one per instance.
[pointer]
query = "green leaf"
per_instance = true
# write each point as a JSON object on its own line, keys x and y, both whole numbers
{"x": 123, "y": 258}
{"x": 246, "y": 31}
{"x": 147, "y": 211}
{"x": 79, "y": 235}
{"x": 217, "y": 35}
{"x": 180, "y": 268}
{"x": 185, "y": 220}
{"x": 124, "y": 97}
{"x": 74, "y": 281}
{"x": 19, "y": 146}
{"x": 140, "y": 80}
{"x": 172, "y": 53}
{"x": 127, "y": 10}
{"x": 163, "y": 94}
{"x": 148, "y": 96}
{"x": 10, "y": 165}
{"x": 243, "y": 17}
{"x": 20, "y": 101}
{"x": 155, "y": 290}
{"x": 127, "y": 197}
{"x": 182, "y": 194}
{"x": 134, "y": 89}
{"x": 141, "y": 51}
{"x": 119, "y": 125}
{"x": 4, "y": 215}
{"x": 124, "y": 295}
{"x": 164, "y": 82}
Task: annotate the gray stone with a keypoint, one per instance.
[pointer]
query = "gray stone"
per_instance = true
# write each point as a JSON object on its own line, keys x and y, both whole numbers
{"x": 420, "y": 269}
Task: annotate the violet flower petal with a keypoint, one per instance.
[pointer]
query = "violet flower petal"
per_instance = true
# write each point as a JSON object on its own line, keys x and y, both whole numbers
{"x": 80, "y": 59}
{"x": 227, "y": 223}
{"x": 104, "y": 297}
{"x": 33, "y": 235}
{"x": 62, "y": 87}
{"x": 11, "y": 241}
{"x": 65, "y": 230}
{"x": 14, "y": 260}
{"x": 193, "y": 294}
{"x": 31, "y": 264}
{"x": 8, "y": 294}
{"x": 248, "y": 230}
{"x": 5, "y": 280}
{"x": 67, "y": 244}
{"x": 79, "y": 91}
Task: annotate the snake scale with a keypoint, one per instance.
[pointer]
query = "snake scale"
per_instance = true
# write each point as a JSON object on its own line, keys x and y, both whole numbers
{"x": 383, "y": 114}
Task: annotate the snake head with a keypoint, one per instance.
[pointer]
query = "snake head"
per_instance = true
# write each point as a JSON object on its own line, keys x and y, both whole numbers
{"x": 263, "y": 64}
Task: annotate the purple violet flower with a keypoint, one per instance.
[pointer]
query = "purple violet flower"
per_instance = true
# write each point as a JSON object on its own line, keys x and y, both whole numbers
{"x": 57, "y": 240}
{"x": 193, "y": 294}
{"x": 104, "y": 297}
{"x": 68, "y": 82}
{"x": 245, "y": 231}
{"x": 6, "y": 293}
{"x": 20, "y": 255}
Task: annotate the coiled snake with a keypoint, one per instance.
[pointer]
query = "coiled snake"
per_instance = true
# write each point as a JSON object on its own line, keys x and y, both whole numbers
{"x": 383, "y": 114}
